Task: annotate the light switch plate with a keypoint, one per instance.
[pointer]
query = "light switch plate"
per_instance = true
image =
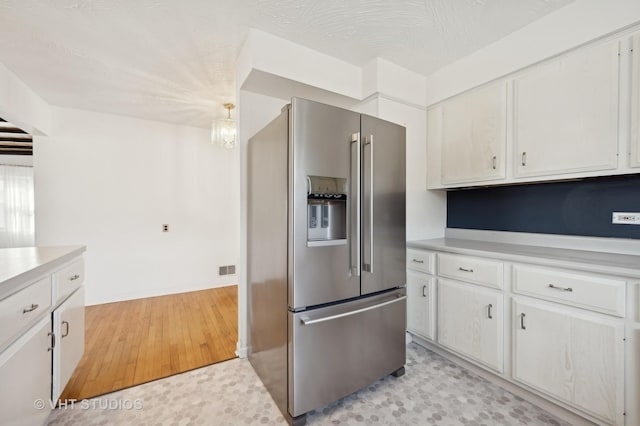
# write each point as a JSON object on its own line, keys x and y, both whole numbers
{"x": 626, "y": 218}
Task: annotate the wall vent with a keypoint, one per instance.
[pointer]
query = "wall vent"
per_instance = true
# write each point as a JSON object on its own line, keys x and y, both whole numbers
{"x": 227, "y": 270}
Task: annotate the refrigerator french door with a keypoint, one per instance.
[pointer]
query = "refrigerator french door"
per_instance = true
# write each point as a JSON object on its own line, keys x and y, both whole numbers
{"x": 326, "y": 253}
{"x": 369, "y": 153}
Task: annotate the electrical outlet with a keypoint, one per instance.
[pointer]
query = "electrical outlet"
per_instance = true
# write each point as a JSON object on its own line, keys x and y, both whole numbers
{"x": 626, "y": 218}
{"x": 165, "y": 228}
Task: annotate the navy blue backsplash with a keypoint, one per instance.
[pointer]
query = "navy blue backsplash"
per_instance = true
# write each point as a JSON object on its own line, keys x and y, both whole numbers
{"x": 570, "y": 208}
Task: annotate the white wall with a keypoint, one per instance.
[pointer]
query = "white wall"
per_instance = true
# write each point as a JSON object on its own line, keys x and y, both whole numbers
{"x": 17, "y": 160}
{"x": 383, "y": 77}
{"x": 22, "y": 106}
{"x": 110, "y": 182}
{"x": 274, "y": 55}
{"x": 570, "y": 26}
{"x": 426, "y": 210}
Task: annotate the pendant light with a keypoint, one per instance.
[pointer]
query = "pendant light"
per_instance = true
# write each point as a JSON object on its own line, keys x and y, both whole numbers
{"x": 223, "y": 131}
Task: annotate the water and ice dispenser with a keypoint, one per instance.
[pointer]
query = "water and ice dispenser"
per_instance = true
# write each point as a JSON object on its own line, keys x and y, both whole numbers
{"x": 326, "y": 210}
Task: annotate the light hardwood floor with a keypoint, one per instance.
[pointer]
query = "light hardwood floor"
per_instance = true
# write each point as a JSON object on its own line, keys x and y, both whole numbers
{"x": 136, "y": 341}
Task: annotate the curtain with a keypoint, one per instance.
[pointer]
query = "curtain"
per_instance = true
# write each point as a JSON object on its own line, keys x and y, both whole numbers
{"x": 17, "y": 224}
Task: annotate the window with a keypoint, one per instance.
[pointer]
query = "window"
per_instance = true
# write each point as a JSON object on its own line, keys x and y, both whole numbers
{"x": 17, "y": 223}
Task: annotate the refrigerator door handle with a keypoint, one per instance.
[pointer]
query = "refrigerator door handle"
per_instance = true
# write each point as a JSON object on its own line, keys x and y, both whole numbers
{"x": 354, "y": 215}
{"x": 368, "y": 261}
{"x": 306, "y": 321}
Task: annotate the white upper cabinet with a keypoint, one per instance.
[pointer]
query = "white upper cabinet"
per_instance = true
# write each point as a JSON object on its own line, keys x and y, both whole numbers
{"x": 473, "y": 136}
{"x": 634, "y": 160}
{"x": 566, "y": 114}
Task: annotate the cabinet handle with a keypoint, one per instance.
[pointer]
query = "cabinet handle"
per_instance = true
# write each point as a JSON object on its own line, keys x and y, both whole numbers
{"x": 66, "y": 332}
{"x": 75, "y": 277}
{"x": 464, "y": 269}
{"x": 524, "y": 158}
{"x": 424, "y": 289}
{"x": 494, "y": 164}
{"x": 417, "y": 261}
{"x": 560, "y": 288}
{"x": 53, "y": 341}
{"x": 32, "y": 308}
{"x": 489, "y": 311}
{"x": 522, "y": 321}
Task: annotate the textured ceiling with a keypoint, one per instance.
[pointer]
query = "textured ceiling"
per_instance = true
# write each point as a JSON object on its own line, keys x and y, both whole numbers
{"x": 173, "y": 60}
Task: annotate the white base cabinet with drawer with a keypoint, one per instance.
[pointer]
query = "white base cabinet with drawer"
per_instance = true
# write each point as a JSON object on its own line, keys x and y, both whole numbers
{"x": 560, "y": 329}
{"x": 470, "y": 322}
{"x": 576, "y": 357}
{"x": 42, "y": 335}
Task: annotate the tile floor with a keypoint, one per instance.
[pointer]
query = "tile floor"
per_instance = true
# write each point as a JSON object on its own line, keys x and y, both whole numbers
{"x": 433, "y": 391}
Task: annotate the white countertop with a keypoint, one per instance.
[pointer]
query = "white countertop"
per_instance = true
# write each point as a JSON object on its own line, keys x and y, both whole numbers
{"x": 593, "y": 261}
{"x": 21, "y": 266}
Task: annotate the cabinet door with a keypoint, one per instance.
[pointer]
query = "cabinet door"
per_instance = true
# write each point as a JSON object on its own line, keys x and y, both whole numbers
{"x": 421, "y": 304}
{"x": 25, "y": 378}
{"x": 68, "y": 322}
{"x": 566, "y": 114}
{"x": 470, "y": 322}
{"x": 572, "y": 356}
{"x": 474, "y": 135}
{"x": 634, "y": 159}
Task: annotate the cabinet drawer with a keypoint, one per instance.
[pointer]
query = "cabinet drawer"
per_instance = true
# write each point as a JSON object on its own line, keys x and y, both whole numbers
{"x": 68, "y": 279}
{"x": 24, "y": 308}
{"x": 471, "y": 269}
{"x": 420, "y": 260}
{"x": 591, "y": 292}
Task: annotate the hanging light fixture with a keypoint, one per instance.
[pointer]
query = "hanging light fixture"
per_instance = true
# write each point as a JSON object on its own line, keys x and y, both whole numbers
{"x": 223, "y": 131}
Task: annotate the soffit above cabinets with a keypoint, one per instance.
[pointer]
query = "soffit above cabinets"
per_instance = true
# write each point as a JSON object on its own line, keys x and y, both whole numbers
{"x": 13, "y": 140}
{"x": 174, "y": 61}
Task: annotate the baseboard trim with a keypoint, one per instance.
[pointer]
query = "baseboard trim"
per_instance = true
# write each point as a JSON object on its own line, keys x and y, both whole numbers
{"x": 242, "y": 351}
{"x": 154, "y": 293}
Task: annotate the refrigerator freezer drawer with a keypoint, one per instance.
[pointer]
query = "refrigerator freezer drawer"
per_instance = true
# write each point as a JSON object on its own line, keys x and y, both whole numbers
{"x": 340, "y": 349}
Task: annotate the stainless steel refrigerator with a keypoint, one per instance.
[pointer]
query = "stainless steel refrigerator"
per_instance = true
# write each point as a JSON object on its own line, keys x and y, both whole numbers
{"x": 325, "y": 254}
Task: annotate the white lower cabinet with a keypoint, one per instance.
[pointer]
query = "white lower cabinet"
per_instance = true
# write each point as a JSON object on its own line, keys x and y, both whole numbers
{"x": 470, "y": 322}
{"x": 25, "y": 378}
{"x": 68, "y": 326}
{"x": 573, "y": 356}
{"x": 421, "y": 304}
